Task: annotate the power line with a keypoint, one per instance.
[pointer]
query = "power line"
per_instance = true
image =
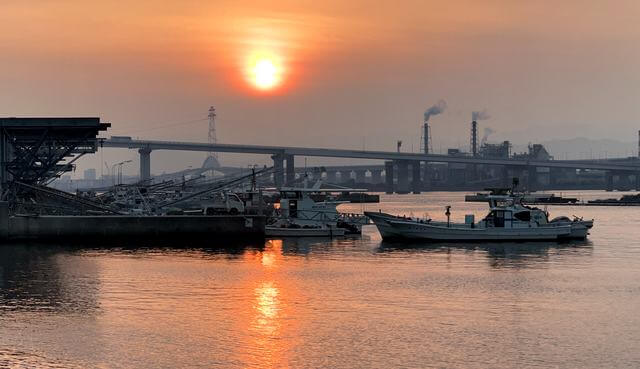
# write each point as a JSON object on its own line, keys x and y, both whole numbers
{"x": 168, "y": 125}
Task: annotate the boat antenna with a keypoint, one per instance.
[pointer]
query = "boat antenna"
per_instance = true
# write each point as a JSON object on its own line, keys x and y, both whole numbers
{"x": 254, "y": 183}
{"x": 448, "y": 214}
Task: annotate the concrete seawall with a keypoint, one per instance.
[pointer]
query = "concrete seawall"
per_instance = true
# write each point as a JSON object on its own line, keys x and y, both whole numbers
{"x": 83, "y": 227}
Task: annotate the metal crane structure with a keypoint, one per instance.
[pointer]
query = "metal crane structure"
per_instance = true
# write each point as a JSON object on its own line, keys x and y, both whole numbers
{"x": 35, "y": 151}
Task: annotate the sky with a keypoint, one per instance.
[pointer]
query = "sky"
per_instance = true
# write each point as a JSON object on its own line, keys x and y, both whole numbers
{"x": 347, "y": 74}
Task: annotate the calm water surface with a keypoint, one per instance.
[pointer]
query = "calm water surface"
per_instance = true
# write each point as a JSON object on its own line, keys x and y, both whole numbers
{"x": 353, "y": 302}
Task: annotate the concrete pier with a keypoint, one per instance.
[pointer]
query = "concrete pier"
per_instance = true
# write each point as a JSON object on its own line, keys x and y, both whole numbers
{"x": 290, "y": 174}
{"x": 506, "y": 178}
{"x": 416, "y": 182}
{"x": 332, "y": 176}
{"x": 182, "y": 227}
{"x": 426, "y": 177}
{"x": 278, "y": 169}
{"x": 376, "y": 176}
{"x": 608, "y": 180}
{"x": 532, "y": 178}
{"x": 388, "y": 170}
{"x": 554, "y": 175}
{"x": 403, "y": 176}
{"x": 145, "y": 163}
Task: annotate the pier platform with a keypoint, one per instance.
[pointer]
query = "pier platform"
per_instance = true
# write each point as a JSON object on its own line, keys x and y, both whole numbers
{"x": 72, "y": 227}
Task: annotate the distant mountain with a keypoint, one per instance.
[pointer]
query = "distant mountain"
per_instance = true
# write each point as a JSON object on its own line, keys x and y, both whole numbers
{"x": 585, "y": 148}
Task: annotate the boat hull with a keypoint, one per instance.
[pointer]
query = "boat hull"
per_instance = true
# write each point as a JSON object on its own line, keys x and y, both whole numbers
{"x": 394, "y": 228}
{"x": 303, "y": 232}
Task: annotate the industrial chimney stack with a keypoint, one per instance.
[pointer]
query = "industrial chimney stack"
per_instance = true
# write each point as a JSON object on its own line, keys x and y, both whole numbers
{"x": 425, "y": 136}
{"x": 474, "y": 138}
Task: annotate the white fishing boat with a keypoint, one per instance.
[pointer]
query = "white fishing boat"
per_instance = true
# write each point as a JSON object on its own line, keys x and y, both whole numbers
{"x": 298, "y": 207}
{"x": 507, "y": 220}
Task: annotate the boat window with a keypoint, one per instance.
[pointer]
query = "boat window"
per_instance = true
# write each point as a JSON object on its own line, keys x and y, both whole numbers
{"x": 524, "y": 216}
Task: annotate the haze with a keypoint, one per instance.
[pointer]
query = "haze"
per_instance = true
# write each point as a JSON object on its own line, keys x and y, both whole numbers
{"x": 353, "y": 74}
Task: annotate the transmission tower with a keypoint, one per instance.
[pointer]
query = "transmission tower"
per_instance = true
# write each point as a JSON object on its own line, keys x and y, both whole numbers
{"x": 212, "y": 131}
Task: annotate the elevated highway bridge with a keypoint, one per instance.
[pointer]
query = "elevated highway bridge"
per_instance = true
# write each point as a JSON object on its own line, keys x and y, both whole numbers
{"x": 399, "y": 161}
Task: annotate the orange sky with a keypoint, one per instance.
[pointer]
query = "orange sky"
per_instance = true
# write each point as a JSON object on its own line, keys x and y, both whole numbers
{"x": 353, "y": 72}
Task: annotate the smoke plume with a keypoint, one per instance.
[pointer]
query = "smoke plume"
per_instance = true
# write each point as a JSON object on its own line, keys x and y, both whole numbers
{"x": 487, "y": 132}
{"x": 436, "y": 109}
{"x": 480, "y": 115}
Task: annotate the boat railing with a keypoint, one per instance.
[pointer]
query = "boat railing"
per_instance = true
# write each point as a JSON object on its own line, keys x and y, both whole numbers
{"x": 327, "y": 215}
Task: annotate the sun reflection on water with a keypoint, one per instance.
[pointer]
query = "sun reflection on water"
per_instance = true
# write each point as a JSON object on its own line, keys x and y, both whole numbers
{"x": 269, "y": 325}
{"x": 267, "y": 306}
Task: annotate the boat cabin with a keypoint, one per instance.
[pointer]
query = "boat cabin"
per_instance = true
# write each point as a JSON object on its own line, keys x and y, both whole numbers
{"x": 298, "y": 204}
{"x": 508, "y": 212}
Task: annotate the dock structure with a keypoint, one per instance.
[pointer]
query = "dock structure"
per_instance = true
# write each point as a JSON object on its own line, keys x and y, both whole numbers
{"x": 36, "y": 151}
{"x": 128, "y": 227}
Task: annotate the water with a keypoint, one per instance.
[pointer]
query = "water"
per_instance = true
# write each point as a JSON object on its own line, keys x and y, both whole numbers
{"x": 354, "y": 302}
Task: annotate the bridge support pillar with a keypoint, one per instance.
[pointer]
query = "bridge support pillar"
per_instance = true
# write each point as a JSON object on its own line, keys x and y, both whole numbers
{"x": 416, "y": 183}
{"x": 624, "y": 182}
{"x": 376, "y": 176}
{"x": 532, "y": 178}
{"x": 426, "y": 176}
{"x": 554, "y": 173}
{"x": 637, "y": 176}
{"x": 403, "y": 176}
{"x": 505, "y": 180}
{"x": 278, "y": 169}
{"x": 145, "y": 163}
{"x": 332, "y": 177}
{"x": 290, "y": 174}
{"x": 608, "y": 180}
{"x": 388, "y": 171}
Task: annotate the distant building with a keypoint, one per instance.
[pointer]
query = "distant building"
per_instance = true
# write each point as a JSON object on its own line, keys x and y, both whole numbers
{"x": 536, "y": 152}
{"x": 499, "y": 151}
{"x": 90, "y": 174}
{"x": 455, "y": 152}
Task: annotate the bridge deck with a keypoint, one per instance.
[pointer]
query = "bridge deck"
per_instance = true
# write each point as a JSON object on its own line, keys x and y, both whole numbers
{"x": 125, "y": 142}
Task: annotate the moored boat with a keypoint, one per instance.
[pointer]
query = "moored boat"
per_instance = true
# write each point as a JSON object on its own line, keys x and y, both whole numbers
{"x": 296, "y": 230}
{"x": 297, "y": 206}
{"x": 507, "y": 220}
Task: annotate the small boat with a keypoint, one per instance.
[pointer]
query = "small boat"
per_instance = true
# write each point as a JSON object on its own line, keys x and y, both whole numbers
{"x": 507, "y": 220}
{"x": 284, "y": 229}
{"x": 529, "y": 198}
{"x": 297, "y": 206}
{"x": 625, "y": 200}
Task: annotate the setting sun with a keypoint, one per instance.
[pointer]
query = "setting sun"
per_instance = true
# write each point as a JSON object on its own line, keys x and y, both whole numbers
{"x": 265, "y": 71}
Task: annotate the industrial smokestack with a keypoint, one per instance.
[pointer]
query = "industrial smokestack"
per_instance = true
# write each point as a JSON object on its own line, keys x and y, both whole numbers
{"x": 475, "y": 117}
{"x": 425, "y": 136}
{"x": 474, "y": 138}
{"x": 436, "y": 109}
